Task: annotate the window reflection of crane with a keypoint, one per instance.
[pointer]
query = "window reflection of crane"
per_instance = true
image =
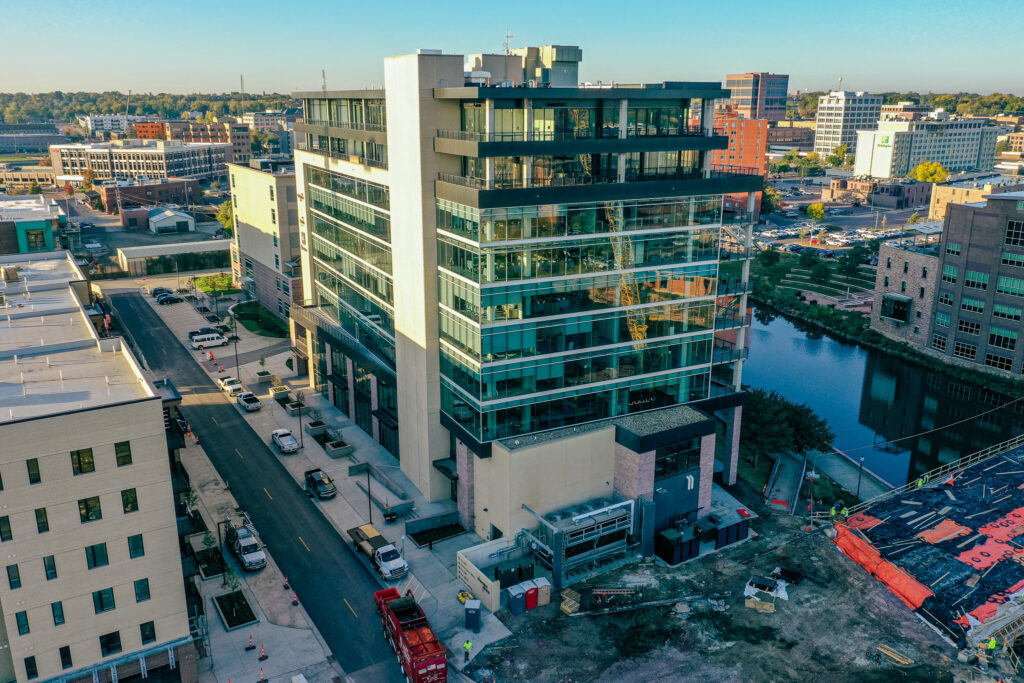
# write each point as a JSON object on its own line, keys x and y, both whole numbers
{"x": 622, "y": 247}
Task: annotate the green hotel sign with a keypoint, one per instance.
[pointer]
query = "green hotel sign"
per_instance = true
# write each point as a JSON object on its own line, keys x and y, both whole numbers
{"x": 884, "y": 141}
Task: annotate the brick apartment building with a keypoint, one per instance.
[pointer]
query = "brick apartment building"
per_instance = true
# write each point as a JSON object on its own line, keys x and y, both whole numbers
{"x": 148, "y": 193}
{"x": 150, "y": 130}
{"x": 748, "y": 149}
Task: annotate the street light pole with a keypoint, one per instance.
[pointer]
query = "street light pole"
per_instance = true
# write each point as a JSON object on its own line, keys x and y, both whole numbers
{"x": 220, "y": 549}
{"x": 237, "y": 373}
{"x": 369, "y": 498}
{"x": 860, "y": 473}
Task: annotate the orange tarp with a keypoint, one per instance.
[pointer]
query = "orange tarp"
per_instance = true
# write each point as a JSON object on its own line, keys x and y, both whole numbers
{"x": 943, "y": 531}
{"x": 862, "y": 521}
{"x": 988, "y": 610}
{"x": 988, "y": 553}
{"x": 903, "y": 586}
{"x": 1006, "y": 527}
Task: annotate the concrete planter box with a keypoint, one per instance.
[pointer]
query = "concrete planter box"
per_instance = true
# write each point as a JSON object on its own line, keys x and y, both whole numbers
{"x": 294, "y": 408}
{"x": 264, "y": 377}
{"x": 338, "y": 449}
{"x": 277, "y": 392}
{"x": 315, "y": 428}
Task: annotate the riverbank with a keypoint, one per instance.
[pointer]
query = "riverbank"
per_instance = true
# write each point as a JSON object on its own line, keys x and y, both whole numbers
{"x": 840, "y": 325}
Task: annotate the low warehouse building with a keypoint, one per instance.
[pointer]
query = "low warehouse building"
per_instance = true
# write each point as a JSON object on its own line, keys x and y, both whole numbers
{"x": 161, "y": 258}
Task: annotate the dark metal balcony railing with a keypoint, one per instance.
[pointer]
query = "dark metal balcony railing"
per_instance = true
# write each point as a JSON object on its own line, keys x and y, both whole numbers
{"x": 573, "y": 134}
{"x": 728, "y": 286}
{"x": 514, "y": 182}
{"x": 725, "y": 171}
{"x": 354, "y": 158}
{"x": 726, "y": 351}
{"x": 351, "y": 125}
{"x": 729, "y": 322}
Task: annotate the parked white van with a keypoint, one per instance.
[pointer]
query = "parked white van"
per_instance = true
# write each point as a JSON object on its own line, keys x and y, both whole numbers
{"x": 205, "y": 341}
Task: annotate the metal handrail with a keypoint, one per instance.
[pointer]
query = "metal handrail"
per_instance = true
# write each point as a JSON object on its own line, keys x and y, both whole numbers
{"x": 572, "y": 134}
{"x": 934, "y": 475}
{"x": 351, "y": 125}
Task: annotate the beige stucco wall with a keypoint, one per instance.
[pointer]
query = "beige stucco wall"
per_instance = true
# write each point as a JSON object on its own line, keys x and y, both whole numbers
{"x": 414, "y": 116}
{"x": 254, "y": 227}
{"x": 51, "y": 440}
{"x": 546, "y": 477}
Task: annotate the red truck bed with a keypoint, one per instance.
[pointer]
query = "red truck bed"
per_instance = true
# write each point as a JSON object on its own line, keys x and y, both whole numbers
{"x": 408, "y": 631}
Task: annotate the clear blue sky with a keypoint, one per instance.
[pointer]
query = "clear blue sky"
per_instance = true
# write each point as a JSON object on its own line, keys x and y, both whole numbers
{"x": 203, "y": 46}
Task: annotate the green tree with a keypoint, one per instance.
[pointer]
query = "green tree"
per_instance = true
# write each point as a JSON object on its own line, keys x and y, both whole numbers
{"x": 87, "y": 179}
{"x": 816, "y": 211}
{"x": 34, "y": 188}
{"x": 1002, "y": 146}
{"x": 838, "y": 156}
{"x": 808, "y": 258}
{"x": 226, "y": 215}
{"x": 913, "y": 218}
{"x": 769, "y": 257}
{"x": 822, "y": 234}
{"x": 929, "y": 172}
{"x": 769, "y": 200}
{"x": 777, "y": 424}
{"x": 820, "y": 272}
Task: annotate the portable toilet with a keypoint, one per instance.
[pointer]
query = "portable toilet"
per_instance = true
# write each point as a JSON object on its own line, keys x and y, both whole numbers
{"x": 531, "y": 593}
{"x": 543, "y": 591}
{"x": 516, "y": 599}
{"x": 473, "y": 616}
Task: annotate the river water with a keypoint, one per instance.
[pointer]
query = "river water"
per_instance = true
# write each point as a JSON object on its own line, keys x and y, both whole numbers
{"x": 870, "y": 398}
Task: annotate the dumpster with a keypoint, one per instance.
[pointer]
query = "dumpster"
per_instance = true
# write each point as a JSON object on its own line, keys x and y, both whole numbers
{"x": 516, "y": 599}
{"x": 543, "y": 591}
{"x": 531, "y": 593}
{"x": 473, "y": 616}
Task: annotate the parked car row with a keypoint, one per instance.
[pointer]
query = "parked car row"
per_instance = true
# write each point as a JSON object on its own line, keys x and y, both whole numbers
{"x": 165, "y": 296}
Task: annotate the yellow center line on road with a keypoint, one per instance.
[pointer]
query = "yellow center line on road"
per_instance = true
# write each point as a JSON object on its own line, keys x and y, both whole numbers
{"x": 268, "y": 493}
{"x": 239, "y": 454}
{"x": 304, "y": 545}
{"x": 350, "y": 608}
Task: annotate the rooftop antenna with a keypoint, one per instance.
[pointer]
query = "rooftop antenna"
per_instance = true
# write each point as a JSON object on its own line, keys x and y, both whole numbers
{"x": 508, "y": 42}
{"x": 241, "y": 85}
{"x": 323, "y": 81}
{"x": 126, "y": 103}
{"x": 840, "y": 82}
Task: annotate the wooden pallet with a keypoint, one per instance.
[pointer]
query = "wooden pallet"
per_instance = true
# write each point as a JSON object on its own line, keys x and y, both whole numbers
{"x": 895, "y": 656}
{"x": 570, "y": 601}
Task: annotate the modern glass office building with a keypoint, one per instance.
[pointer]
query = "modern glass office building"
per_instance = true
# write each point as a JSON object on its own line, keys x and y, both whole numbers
{"x": 492, "y": 257}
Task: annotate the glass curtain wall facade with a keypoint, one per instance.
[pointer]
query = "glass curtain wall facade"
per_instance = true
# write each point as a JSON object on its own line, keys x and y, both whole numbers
{"x": 349, "y": 226}
{"x": 554, "y": 315}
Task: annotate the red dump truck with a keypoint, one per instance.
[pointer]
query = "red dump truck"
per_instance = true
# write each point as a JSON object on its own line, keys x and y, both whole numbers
{"x": 406, "y": 628}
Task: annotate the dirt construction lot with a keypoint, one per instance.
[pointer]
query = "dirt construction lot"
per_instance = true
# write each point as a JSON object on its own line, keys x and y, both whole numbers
{"x": 828, "y": 630}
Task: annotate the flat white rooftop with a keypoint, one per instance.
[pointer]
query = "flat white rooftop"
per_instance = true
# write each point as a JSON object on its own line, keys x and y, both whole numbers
{"x": 51, "y": 358}
{"x": 28, "y": 208}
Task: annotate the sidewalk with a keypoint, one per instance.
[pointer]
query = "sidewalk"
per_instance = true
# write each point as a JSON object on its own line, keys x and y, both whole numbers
{"x": 432, "y": 576}
{"x": 786, "y": 485}
{"x": 845, "y": 472}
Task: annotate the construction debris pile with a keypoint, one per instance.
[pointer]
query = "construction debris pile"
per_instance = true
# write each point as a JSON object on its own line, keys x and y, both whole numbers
{"x": 949, "y": 549}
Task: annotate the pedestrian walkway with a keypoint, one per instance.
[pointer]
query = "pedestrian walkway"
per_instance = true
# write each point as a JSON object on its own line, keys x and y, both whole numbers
{"x": 786, "y": 485}
{"x": 846, "y": 473}
{"x": 432, "y": 575}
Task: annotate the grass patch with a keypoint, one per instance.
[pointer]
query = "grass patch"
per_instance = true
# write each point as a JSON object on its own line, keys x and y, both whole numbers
{"x": 259, "y": 320}
{"x": 221, "y": 282}
{"x": 756, "y": 476}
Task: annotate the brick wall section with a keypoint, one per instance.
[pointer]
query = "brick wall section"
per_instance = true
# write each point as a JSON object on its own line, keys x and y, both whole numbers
{"x": 634, "y": 472}
{"x": 707, "y": 473}
{"x": 464, "y": 461}
{"x": 733, "y": 422}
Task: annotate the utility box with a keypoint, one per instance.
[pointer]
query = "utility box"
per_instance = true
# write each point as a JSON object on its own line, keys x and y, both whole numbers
{"x": 543, "y": 591}
{"x": 516, "y": 599}
{"x": 473, "y": 616}
{"x": 531, "y": 593}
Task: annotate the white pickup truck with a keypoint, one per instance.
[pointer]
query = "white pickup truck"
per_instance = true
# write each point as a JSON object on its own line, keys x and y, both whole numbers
{"x": 284, "y": 441}
{"x": 230, "y": 385}
{"x": 248, "y": 400}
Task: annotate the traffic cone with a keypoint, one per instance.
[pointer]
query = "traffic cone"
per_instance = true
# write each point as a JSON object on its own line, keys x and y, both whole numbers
{"x": 286, "y": 586}
{"x": 250, "y": 646}
{"x": 263, "y": 679}
{"x": 295, "y": 598}
{"x": 263, "y": 654}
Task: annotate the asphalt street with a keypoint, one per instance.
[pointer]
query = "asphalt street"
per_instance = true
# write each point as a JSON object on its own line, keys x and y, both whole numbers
{"x": 331, "y": 583}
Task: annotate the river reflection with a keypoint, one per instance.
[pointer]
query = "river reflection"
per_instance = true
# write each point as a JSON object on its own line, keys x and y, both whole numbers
{"x": 870, "y": 398}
